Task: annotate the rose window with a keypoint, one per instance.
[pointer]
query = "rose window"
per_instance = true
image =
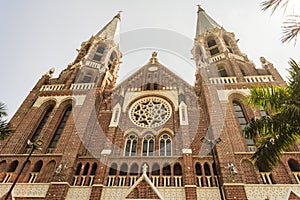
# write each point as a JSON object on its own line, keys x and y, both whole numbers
{"x": 150, "y": 112}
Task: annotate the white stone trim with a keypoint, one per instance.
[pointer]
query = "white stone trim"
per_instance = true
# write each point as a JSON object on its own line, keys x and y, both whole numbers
{"x": 106, "y": 152}
{"x": 78, "y": 99}
{"x": 224, "y": 94}
{"x": 186, "y": 151}
{"x": 115, "y": 116}
{"x": 183, "y": 114}
{"x": 146, "y": 178}
{"x": 133, "y": 96}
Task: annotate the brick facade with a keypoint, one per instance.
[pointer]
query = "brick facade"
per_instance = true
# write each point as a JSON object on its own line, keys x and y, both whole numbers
{"x": 153, "y": 119}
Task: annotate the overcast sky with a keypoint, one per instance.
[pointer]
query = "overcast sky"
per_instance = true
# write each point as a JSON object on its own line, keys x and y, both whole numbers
{"x": 38, "y": 35}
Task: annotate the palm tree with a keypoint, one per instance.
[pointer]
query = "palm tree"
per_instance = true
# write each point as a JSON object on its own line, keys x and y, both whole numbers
{"x": 291, "y": 27}
{"x": 5, "y": 127}
{"x": 279, "y": 129}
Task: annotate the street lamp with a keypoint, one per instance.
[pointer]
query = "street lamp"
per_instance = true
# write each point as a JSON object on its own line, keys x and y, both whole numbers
{"x": 211, "y": 144}
{"x": 33, "y": 146}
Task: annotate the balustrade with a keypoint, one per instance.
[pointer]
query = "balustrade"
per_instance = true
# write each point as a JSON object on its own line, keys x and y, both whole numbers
{"x": 223, "y": 80}
{"x": 111, "y": 180}
{"x": 52, "y": 87}
{"x": 257, "y": 79}
{"x": 82, "y": 86}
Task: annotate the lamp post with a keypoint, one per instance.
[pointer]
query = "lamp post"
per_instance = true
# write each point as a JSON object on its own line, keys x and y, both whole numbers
{"x": 33, "y": 146}
{"x": 211, "y": 144}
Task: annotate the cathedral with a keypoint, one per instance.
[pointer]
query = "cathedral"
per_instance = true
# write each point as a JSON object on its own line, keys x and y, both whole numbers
{"x": 152, "y": 136}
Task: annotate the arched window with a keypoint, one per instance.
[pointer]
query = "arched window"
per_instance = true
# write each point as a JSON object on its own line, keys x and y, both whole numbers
{"x": 124, "y": 169}
{"x": 60, "y": 128}
{"x": 131, "y": 145}
{"x": 242, "y": 120}
{"x": 134, "y": 170}
{"x": 87, "y": 77}
{"x": 86, "y": 169}
{"x": 155, "y": 169}
{"x": 13, "y": 166}
{"x": 99, "y": 53}
{"x": 228, "y": 44}
{"x": 295, "y": 168}
{"x": 177, "y": 170}
{"x": 41, "y": 125}
{"x": 166, "y": 170}
{"x": 113, "y": 169}
{"x": 222, "y": 72}
{"x": 165, "y": 145}
{"x": 94, "y": 169}
{"x": 148, "y": 145}
{"x": 212, "y": 47}
{"x": 78, "y": 169}
{"x": 155, "y": 86}
{"x": 38, "y": 166}
{"x": 243, "y": 71}
{"x": 199, "y": 175}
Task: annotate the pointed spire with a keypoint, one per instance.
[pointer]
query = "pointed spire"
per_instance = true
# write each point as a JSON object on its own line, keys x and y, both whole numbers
{"x": 112, "y": 29}
{"x": 204, "y": 22}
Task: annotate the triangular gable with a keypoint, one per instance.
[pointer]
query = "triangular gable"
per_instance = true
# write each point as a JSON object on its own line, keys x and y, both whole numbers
{"x": 293, "y": 195}
{"x": 160, "y": 67}
{"x": 145, "y": 183}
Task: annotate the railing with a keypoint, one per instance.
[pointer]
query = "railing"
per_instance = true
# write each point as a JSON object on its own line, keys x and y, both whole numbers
{"x": 7, "y": 177}
{"x": 52, "y": 87}
{"x": 166, "y": 181}
{"x": 266, "y": 177}
{"x": 177, "y": 181}
{"x": 216, "y": 58}
{"x": 155, "y": 180}
{"x": 82, "y": 86}
{"x": 111, "y": 180}
{"x": 255, "y": 79}
{"x": 33, "y": 177}
{"x": 297, "y": 176}
{"x": 75, "y": 178}
{"x": 132, "y": 180}
{"x": 223, "y": 80}
{"x": 122, "y": 180}
{"x": 252, "y": 148}
{"x": 93, "y": 64}
{"x": 199, "y": 180}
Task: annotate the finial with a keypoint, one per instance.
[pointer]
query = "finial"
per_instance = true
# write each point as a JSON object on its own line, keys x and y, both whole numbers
{"x": 119, "y": 14}
{"x": 153, "y": 59}
{"x": 199, "y": 8}
{"x": 145, "y": 167}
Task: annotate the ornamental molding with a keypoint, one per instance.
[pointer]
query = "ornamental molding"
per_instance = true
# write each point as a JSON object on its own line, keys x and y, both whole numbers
{"x": 150, "y": 112}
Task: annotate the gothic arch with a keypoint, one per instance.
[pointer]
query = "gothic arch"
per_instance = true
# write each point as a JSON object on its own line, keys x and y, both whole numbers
{"x": 47, "y": 172}
{"x": 212, "y": 44}
{"x": 294, "y": 165}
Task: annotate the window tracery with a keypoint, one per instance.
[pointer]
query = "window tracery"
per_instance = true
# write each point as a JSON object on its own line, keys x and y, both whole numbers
{"x": 150, "y": 112}
{"x": 131, "y": 145}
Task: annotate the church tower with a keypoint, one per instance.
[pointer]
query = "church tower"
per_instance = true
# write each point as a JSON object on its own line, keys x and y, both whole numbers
{"x": 152, "y": 136}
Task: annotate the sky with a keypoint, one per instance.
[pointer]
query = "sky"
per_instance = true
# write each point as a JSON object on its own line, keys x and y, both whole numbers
{"x": 39, "y": 35}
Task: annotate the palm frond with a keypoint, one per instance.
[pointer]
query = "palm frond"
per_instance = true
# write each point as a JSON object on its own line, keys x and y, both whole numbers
{"x": 274, "y": 4}
{"x": 2, "y": 110}
{"x": 271, "y": 147}
{"x": 270, "y": 98}
{"x": 291, "y": 29}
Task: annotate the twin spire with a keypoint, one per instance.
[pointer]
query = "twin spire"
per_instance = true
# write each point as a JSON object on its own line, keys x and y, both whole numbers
{"x": 112, "y": 29}
{"x": 204, "y": 22}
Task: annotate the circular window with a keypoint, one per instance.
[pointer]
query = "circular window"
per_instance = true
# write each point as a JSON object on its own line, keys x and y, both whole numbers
{"x": 150, "y": 112}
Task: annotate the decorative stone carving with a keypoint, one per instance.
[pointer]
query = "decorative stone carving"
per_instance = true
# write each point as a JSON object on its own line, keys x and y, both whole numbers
{"x": 150, "y": 112}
